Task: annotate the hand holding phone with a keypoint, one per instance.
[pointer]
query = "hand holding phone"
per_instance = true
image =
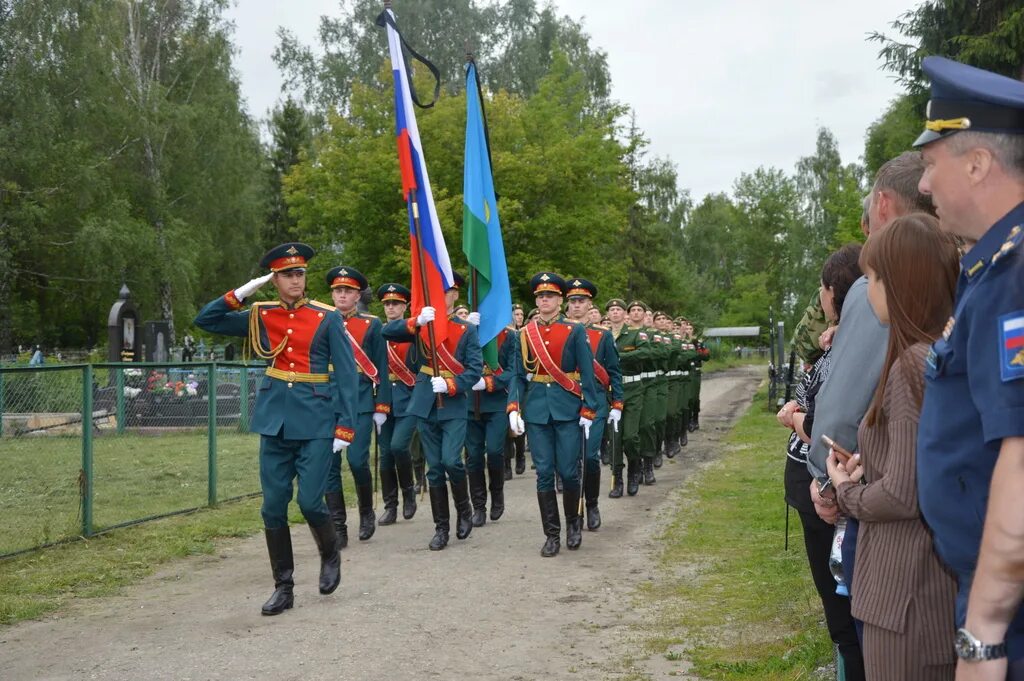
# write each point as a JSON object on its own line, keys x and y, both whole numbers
{"x": 841, "y": 453}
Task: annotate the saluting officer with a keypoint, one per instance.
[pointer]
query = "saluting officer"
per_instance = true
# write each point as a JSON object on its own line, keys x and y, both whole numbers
{"x": 488, "y": 427}
{"x": 396, "y": 434}
{"x": 581, "y": 294}
{"x": 970, "y": 441}
{"x": 298, "y": 413}
{"x": 560, "y": 397}
{"x": 633, "y": 345}
{"x": 442, "y": 429}
{"x": 374, "y": 401}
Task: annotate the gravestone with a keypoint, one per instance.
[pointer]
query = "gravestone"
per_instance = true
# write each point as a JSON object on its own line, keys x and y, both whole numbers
{"x": 122, "y": 341}
{"x": 158, "y": 341}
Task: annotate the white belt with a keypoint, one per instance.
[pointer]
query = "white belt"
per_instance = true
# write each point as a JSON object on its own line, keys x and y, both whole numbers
{"x": 631, "y": 379}
{"x": 686, "y": 373}
{"x": 675, "y": 373}
{"x": 648, "y": 374}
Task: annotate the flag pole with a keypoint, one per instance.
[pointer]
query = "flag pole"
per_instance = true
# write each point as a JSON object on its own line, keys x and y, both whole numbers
{"x": 474, "y": 298}
{"x": 423, "y": 284}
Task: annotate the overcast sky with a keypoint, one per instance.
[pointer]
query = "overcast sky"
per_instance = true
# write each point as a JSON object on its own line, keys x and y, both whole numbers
{"x": 720, "y": 88}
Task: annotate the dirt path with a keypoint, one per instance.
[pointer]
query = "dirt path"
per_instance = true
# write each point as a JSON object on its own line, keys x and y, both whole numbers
{"x": 488, "y": 607}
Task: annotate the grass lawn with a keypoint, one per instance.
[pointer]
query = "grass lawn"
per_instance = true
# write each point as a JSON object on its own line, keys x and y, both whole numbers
{"x": 134, "y": 476}
{"x": 727, "y": 596}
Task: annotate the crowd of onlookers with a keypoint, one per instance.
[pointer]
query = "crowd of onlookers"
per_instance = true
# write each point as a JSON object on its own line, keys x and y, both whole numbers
{"x": 907, "y": 431}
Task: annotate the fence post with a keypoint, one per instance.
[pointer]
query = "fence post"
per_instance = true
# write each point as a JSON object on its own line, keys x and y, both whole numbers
{"x": 243, "y": 416}
{"x": 86, "y": 482}
{"x": 119, "y": 382}
{"x": 211, "y": 413}
{"x": 1, "y": 404}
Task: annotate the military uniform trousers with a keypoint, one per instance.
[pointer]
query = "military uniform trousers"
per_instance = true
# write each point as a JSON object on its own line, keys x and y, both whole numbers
{"x": 661, "y": 411}
{"x": 281, "y": 461}
{"x": 648, "y": 418}
{"x": 486, "y": 435}
{"x": 395, "y": 440}
{"x": 358, "y": 455}
{"x": 629, "y": 428}
{"x": 593, "y": 460}
{"x": 555, "y": 445}
{"x": 442, "y": 443}
{"x": 675, "y": 401}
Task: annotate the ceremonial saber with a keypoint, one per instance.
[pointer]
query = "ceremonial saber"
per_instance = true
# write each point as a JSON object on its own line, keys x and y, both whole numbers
{"x": 376, "y": 462}
{"x": 583, "y": 469}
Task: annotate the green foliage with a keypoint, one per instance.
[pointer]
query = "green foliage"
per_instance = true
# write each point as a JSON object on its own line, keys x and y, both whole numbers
{"x": 894, "y": 132}
{"x": 558, "y": 171}
{"x": 124, "y": 156}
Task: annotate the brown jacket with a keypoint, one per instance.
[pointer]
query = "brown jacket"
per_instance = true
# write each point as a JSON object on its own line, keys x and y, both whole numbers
{"x": 896, "y": 564}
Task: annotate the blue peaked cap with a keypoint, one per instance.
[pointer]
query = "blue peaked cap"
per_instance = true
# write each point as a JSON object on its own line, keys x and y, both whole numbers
{"x": 968, "y": 98}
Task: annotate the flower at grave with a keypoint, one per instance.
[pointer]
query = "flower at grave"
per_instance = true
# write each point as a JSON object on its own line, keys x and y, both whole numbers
{"x": 131, "y": 392}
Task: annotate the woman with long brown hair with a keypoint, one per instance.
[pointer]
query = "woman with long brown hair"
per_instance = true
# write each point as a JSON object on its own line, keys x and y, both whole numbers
{"x": 902, "y": 592}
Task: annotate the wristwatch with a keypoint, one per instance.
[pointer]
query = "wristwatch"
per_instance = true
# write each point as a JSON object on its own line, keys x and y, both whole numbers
{"x": 969, "y": 648}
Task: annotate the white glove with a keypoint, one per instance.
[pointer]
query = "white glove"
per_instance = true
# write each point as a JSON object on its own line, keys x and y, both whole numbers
{"x": 250, "y": 287}
{"x": 426, "y": 316}
{"x": 474, "y": 318}
{"x": 339, "y": 445}
{"x": 614, "y": 416}
{"x": 586, "y": 423}
{"x": 515, "y": 423}
{"x": 480, "y": 385}
{"x": 378, "y": 420}
{"x": 438, "y": 384}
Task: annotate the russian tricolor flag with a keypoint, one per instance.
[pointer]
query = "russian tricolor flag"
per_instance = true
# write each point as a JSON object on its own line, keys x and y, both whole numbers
{"x": 436, "y": 268}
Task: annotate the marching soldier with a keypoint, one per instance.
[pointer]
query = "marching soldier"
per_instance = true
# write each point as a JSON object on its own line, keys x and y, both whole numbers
{"x": 674, "y": 377}
{"x": 559, "y": 399}
{"x": 661, "y": 336}
{"x": 581, "y": 295}
{"x": 638, "y": 313}
{"x": 442, "y": 429}
{"x": 487, "y": 429}
{"x": 633, "y": 345}
{"x": 396, "y": 434}
{"x": 686, "y": 368}
{"x": 299, "y": 416}
{"x": 374, "y": 401}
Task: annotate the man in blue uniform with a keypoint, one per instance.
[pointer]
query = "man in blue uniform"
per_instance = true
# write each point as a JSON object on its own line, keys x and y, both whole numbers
{"x": 581, "y": 294}
{"x": 373, "y": 402}
{"x": 396, "y": 434}
{"x": 442, "y": 428}
{"x": 560, "y": 399}
{"x": 298, "y": 413}
{"x": 488, "y": 426}
{"x": 970, "y": 459}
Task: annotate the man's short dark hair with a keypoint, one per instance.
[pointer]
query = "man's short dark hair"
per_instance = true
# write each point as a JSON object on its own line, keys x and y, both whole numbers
{"x": 900, "y": 177}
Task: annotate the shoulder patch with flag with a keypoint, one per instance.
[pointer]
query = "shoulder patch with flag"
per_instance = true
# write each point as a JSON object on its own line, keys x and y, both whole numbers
{"x": 1011, "y": 345}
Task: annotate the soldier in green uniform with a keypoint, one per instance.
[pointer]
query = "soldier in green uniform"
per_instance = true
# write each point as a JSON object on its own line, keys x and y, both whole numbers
{"x": 664, "y": 337}
{"x": 633, "y": 345}
{"x": 638, "y": 312}
{"x": 580, "y": 295}
{"x": 807, "y": 335}
{"x": 674, "y": 376}
{"x": 373, "y": 405}
{"x": 300, "y": 416}
{"x": 559, "y": 400}
{"x": 687, "y": 358}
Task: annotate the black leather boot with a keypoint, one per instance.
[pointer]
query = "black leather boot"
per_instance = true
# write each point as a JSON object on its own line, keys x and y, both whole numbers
{"x": 683, "y": 439}
{"x": 405, "y": 481}
{"x": 550, "y": 521}
{"x": 520, "y": 455}
{"x": 367, "y": 522}
{"x": 463, "y": 509}
{"x": 591, "y": 491}
{"x": 496, "y": 485}
{"x": 339, "y": 516}
{"x": 442, "y": 517}
{"x": 282, "y": 564}
{"x": 606, "y": 455}
{"x": 633, "y": 477}
{"x": 649, "y": 470}
{"x": 389, "y": 490}
{"x": 573, "y": 521}
{"x": 616, "y": 491}
{"x": 330, "y": 560}
{"x": 658, "y": 460}
{"x": 696, "y": 418}
{"x": 478, "y": 496}
{"x": 692, "y": 425}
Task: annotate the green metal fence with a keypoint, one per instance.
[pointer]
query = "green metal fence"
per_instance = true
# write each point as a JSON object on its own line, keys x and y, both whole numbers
{"x": 86, "y": 448}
